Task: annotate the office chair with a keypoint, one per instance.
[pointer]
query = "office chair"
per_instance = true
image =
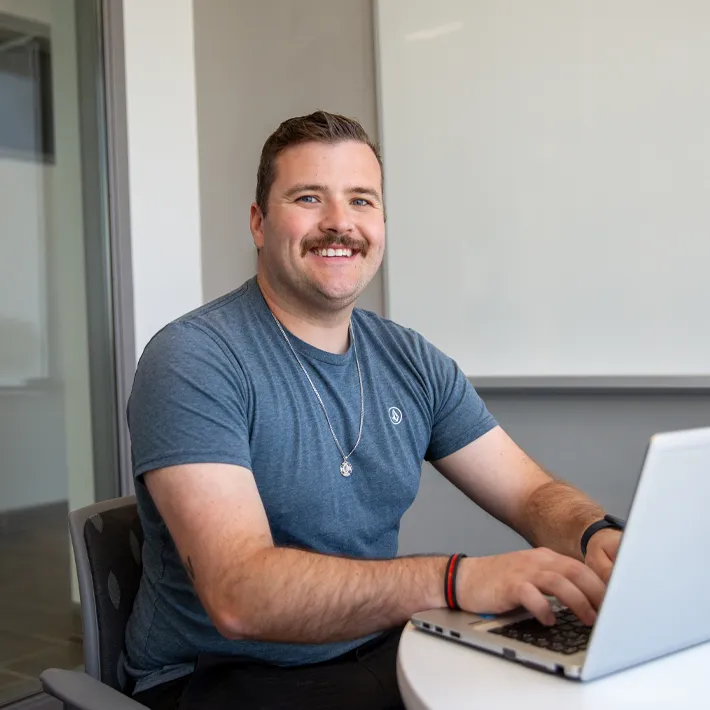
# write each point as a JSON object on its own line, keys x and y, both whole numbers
{"x": 107, "y": 539}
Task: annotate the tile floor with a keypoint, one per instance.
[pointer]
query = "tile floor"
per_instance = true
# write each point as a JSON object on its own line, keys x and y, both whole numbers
{"x": 40, "y": 627}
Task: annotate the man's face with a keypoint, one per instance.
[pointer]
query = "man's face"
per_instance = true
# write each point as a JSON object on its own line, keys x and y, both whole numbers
{"x": 323, "y": 237}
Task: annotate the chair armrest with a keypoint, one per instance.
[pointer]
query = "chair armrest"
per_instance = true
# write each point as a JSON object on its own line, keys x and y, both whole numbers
{"x": 83, "y": 692}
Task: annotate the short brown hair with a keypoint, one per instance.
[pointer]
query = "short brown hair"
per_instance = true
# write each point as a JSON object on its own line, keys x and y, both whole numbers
{"x": 321, "y": 127}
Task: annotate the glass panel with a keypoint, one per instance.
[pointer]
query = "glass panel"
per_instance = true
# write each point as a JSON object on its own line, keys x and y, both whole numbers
{"x": 57, "y": 413}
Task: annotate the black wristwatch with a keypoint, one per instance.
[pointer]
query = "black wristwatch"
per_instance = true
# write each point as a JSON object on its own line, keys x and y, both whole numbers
{"x": 608, "y": 521}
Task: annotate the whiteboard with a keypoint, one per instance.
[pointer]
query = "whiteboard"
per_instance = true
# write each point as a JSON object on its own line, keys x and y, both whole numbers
{"x": 547, "y": 179}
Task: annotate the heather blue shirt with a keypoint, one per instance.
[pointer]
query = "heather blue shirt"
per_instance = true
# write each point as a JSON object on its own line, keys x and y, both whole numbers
{"x": 221, "y": 385}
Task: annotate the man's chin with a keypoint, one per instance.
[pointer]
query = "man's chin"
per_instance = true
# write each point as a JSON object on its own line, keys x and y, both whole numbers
{"x": 338, "y": 297}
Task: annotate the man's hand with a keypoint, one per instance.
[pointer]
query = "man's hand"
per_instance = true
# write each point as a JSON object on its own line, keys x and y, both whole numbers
{"x": 601, "y": 552}
{"x": 502, "y": 583}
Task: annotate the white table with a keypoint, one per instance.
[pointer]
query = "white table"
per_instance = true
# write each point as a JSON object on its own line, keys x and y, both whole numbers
{"x": 436, "y": 674}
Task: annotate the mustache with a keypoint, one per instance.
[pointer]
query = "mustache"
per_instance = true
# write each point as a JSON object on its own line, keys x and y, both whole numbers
{"x": 329, "y": 240}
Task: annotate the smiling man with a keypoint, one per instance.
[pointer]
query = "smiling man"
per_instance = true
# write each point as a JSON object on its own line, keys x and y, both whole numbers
{"x": 278, "y": 435}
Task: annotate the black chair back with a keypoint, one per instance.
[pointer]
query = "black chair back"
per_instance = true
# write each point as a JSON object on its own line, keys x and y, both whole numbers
{"x": 107, "y": 538}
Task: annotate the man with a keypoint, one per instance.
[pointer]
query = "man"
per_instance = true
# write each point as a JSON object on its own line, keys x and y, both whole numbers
{"x": 278, "y": 435}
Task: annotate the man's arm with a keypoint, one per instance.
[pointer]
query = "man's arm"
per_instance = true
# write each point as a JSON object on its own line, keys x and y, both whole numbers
{"x": 251, "y": 589}
{"x": 497, "y": 475}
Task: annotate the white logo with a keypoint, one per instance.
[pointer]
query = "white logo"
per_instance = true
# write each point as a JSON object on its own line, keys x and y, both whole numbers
{"x": 395, "y": 415}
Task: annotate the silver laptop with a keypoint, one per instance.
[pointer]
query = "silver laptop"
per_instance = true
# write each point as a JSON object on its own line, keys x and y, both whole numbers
{"x": 658, "y": 597}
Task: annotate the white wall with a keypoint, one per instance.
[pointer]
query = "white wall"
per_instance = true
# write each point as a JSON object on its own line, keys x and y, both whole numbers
{"x": 259, "y": 62}
{"x": 162, "y": 162}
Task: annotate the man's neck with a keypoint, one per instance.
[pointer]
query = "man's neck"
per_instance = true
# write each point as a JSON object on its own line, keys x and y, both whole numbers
{"x": 327, "y": 332}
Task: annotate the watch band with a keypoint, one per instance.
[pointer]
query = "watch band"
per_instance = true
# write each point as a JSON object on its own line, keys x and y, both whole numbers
{"x": 608, "y": 521}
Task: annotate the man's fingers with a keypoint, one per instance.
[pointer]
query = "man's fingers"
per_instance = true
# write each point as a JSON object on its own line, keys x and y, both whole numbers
{"x": 503, "y": 582}
{"x": 535, "y": 602}
{"x": 569, "y": 594}
{"x": 588, "y": 579}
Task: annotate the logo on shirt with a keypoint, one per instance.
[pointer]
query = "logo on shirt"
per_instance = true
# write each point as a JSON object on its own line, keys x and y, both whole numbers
{"x": 395, "y": 415}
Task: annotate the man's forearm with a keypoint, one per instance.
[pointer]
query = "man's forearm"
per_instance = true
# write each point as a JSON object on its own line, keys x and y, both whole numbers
{"x": 289, "y": 595}
{"x": 556, "y": 515}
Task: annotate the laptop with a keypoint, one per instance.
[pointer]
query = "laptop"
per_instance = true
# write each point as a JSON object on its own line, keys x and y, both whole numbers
{"x": 658, "y": 596}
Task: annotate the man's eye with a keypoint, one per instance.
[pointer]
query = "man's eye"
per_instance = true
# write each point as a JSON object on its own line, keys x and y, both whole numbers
{"x": 361, "y": 202}
{"x": 309, "y": 199}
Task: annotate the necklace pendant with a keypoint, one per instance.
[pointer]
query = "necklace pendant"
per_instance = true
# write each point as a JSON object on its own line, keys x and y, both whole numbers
{"x": 346, "y": 468}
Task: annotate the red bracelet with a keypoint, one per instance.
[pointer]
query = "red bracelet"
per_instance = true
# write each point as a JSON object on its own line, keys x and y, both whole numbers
{"x": 452, "y": 567}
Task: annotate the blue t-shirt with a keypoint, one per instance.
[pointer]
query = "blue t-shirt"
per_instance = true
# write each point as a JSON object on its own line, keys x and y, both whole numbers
{"x": 221, "y": 385}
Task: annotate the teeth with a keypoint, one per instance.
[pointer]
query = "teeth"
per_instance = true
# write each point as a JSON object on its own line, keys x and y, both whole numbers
{"x": 334, "y": 252}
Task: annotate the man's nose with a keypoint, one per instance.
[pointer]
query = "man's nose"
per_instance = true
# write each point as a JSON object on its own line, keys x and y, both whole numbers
{"x": 337, "y": 219}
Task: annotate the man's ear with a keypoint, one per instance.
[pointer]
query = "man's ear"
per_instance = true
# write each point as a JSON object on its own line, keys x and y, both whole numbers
{"x": 256, "y": 224}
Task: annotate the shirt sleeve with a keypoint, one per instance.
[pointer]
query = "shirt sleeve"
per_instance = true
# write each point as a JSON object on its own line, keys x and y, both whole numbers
{"x": 459, "y": 415}
{"x": 188, "y": 403}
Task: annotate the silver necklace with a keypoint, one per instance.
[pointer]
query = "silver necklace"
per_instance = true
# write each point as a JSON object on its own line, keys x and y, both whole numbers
{"x": 346, "y": 468}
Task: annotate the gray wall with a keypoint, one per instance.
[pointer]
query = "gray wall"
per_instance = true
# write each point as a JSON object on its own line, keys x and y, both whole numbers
{"x": 260, "y": 61}
{"x": 596, "y": 441}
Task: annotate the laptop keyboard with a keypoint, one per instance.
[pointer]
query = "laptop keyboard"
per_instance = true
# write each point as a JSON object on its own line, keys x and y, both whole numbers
{"x": 567, "y": 636}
